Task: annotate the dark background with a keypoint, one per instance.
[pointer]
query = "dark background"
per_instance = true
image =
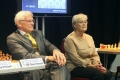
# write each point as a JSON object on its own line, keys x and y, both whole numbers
{"x": 103, "y": 26}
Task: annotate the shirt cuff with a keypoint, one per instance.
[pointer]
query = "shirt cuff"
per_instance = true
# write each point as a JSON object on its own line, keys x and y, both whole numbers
{"x": 46, "y": 59}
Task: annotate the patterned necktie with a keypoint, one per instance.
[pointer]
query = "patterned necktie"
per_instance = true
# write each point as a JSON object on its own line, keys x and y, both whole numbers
{"x": 34, "y": 44}
{"x": 31, "y": 38}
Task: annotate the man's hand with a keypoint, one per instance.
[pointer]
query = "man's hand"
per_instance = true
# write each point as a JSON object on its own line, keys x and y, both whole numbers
{"x": 59, "y": 57}
{"x": 50, "y": 58}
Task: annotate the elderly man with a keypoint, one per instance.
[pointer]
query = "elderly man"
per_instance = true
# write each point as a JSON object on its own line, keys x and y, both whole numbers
{"x": 27, "y": 43}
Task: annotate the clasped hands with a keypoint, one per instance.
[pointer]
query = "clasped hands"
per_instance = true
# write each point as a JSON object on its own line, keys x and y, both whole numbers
{"x": 99, "y": 67}
{"x": 57, "y": 57}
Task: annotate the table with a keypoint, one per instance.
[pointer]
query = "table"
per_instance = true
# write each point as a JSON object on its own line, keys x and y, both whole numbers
{"x": 17, "y": 70}
{"x": 13, "y": 73}
{"x": 20, "y": 69}
{"x": 106, "y": 52}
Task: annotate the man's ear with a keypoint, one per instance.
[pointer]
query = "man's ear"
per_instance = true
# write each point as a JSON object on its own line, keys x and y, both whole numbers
{"x": 19, "y": 23}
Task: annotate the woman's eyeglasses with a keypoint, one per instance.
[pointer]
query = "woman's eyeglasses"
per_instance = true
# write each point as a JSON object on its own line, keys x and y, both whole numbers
{"x": 28, "y": 20}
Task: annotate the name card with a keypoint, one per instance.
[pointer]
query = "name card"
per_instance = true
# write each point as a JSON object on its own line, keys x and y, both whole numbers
{"x": 31, "y": 62}
{"x": 16, "y": 65}
{"x": 6, "y": 65}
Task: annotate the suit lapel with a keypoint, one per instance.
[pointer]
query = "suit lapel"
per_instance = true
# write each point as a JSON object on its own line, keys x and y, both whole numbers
{"x": 23, "y": 38}
{"x": 37, "y": 38}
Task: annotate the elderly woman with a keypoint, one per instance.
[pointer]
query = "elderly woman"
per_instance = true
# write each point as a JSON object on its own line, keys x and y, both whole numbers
{"x": 82, "y": 57}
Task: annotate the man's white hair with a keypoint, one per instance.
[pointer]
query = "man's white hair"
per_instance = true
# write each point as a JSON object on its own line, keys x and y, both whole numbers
{"x": 20, "y": 15}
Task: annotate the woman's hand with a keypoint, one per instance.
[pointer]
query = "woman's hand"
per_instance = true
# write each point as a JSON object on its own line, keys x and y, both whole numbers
{"x": 92, "y": 66}
{"x": 99, "y": 67}
{"x": 103, "y": 70}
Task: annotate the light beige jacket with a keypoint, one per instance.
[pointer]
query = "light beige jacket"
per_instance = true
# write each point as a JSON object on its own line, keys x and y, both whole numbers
{"x": 80, "y": 52}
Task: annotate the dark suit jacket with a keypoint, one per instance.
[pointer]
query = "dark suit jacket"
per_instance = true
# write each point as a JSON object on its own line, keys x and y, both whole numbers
{"x": 21, "y": 47}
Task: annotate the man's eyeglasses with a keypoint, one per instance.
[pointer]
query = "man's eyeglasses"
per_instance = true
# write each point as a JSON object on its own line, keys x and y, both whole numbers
{"x": 28, "y": 20}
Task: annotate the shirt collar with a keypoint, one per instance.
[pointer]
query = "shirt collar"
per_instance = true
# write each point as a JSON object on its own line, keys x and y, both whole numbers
{"x": 22, "y": 32}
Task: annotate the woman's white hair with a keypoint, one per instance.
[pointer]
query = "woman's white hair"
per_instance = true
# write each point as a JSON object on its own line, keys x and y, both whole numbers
{"x": 76, "y": 18}
{"x": 20, "y": 15}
